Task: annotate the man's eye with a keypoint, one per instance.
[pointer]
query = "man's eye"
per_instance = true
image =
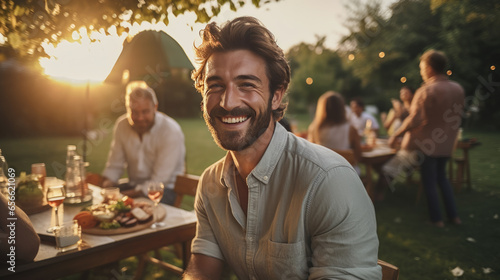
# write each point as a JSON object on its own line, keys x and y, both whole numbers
{"x": 247, "y": 85}
{"x": 214, "y": 88}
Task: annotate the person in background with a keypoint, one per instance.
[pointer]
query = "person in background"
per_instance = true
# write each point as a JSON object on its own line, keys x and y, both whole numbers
{"x": 330, "y": 127}
{"x": 362, "y": 120}
{"x": 276, "y": 206}
{"x": 429, "y": 134}
{"x": 399, "y": 110}
{"x": 27, "y": 242}
{"x": 148, "y": 143}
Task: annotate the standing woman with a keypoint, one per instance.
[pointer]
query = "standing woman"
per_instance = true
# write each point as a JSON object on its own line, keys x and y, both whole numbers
{"x": 330, "y": 127}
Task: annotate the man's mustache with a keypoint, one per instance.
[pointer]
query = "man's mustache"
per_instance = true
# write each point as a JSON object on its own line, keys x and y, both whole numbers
{"x": 218, "y": 111}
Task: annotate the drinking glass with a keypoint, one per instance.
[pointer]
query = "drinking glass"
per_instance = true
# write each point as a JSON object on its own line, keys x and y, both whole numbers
{"x": 55, "y": 197}
{"x": 155, "y": 193}
{"x": 68, "y": 236}
{"x": 40, "y": 171}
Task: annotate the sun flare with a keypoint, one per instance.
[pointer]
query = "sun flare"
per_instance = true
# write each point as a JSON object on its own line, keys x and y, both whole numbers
{"x": 88, "y": 58}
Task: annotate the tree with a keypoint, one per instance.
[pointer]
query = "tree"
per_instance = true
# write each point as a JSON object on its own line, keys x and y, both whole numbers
{"x": 315, "y": 70}
{"x": 27, "y": 23}
{"x": 385, "y": 48}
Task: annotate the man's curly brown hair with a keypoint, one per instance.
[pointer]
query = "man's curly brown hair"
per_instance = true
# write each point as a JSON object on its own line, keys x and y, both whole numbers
{"x": 244, "y": 33}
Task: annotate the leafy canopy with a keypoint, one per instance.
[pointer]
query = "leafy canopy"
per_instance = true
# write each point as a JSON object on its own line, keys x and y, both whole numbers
{"x": 28, "y": 23}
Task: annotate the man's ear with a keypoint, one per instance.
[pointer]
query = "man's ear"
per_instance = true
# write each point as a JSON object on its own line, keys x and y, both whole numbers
{"x": 277, "y": 97}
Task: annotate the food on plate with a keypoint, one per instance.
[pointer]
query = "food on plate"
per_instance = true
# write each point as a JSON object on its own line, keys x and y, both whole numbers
{"x": 109, "y": 225}
{"x": 85, "y": 219}
{"x": 124, "y": 212}
{"x": 141, "y": 215}
{"x": 104, "y": 216}
{"x": 29, "y": 192}
{"x": 126, "y": 219}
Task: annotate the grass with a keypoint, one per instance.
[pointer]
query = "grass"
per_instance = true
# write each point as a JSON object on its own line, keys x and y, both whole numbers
{"x": 419, "y": 250}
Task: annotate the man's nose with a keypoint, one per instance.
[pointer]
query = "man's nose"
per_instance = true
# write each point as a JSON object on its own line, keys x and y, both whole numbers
{"x": 230, "y": 99}
{"x": 140, "y": 116}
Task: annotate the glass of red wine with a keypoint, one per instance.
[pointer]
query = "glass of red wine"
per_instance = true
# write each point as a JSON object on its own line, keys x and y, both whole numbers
{"x": 55, "y": 197}
{"x": 155, "y": 193}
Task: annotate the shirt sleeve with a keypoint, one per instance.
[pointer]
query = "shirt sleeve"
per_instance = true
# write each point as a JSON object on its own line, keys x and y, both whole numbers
{"x": 416, "y": 115}
{"x": 204, "y": 242}
{"x": 375, "y": 124}
{"x": 343, "y": 228}
{"x": 170, "y": 154}
{"x": 116, "y": 157}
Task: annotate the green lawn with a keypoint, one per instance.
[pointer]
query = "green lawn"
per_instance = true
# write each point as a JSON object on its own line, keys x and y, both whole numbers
{"x": 406, "y": 240}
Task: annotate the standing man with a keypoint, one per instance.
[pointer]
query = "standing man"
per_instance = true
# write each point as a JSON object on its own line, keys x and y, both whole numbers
{"x": 148, "y": 143}
{"x": 430, "y": 131}
{"x": 276, "y": 206}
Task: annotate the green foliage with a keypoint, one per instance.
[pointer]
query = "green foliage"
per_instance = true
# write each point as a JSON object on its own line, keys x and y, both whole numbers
{"x": 325, "y": 68}
{"x": 383, "y": 49}
{"x": 28, "y": 23}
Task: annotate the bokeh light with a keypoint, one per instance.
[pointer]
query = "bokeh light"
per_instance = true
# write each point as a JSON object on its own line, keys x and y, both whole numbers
{"x": 381, "y": 54}
{"x": 403, "y": 79}
{"x": 449, "y": 72}
{"x": 492, "y": 67}
{"x": 309, "y": 81}
{"x": 351, "y": 57}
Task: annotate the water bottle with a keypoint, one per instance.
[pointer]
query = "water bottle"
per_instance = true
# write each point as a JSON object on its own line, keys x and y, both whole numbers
{"x": 75, "y": 189}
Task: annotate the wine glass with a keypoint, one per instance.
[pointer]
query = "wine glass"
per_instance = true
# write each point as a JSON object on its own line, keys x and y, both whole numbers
{"x": 155, "y": 193}
{"x": 55, "y": 196}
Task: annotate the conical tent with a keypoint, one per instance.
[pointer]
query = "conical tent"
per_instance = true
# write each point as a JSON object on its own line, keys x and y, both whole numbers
{"x": 149, "y": 56}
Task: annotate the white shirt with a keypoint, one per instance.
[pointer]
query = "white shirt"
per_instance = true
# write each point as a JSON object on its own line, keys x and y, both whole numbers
{"x": 335, "y": 137}
{"x": 359, "y": 123}
{"x": 159, "y": 156}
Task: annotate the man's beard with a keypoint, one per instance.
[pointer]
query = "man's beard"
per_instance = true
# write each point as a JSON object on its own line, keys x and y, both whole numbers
{"x": 237, "y": 140}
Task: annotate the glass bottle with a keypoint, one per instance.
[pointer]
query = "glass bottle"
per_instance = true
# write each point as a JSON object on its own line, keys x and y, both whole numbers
{"x": 74, "y": 180}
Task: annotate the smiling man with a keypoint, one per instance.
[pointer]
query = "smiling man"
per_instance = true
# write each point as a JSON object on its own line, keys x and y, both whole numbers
{"x": 276, "y": 206}
{"x": 148, "y": 143}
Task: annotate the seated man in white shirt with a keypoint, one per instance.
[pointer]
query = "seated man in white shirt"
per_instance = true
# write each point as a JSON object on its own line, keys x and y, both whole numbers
{"x": 359, "y": 118}
{"x": 148, "y": 143}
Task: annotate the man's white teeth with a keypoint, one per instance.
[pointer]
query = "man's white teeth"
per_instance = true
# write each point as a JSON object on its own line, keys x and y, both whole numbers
{"x": 234, "y": 120}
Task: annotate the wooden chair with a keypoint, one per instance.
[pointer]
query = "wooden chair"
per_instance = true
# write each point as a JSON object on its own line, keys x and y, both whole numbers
{"x": 348, "y": 155}
{"x": 184, "y": 185}
{"x": 389, "y": 271}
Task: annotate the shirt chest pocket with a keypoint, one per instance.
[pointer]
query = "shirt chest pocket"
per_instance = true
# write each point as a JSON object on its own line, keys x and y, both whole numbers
{"x": 287, "y": 260}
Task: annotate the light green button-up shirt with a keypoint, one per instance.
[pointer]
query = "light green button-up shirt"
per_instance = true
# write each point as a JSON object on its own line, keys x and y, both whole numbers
{"x": 308, "y": 216}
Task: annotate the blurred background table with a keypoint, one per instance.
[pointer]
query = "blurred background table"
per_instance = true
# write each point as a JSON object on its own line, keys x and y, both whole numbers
{"x": 373, "y": 159}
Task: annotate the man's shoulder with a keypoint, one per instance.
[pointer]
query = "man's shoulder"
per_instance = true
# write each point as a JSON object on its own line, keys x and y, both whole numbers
{"x": 314, "y": 154}
{"x": 122, "y": 122}
{"x": 213, "y": 172}
{"x": 166, "y": 123}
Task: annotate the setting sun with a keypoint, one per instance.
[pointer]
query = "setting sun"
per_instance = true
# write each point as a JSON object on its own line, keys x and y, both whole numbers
{"x": 89, "y": 58}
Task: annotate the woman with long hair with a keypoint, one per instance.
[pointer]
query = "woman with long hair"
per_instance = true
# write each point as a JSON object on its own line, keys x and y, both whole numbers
{"x": 330, "y": 127}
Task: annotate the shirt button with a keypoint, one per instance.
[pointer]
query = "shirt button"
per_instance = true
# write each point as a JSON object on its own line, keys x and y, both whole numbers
{"x": 265, "y": 178}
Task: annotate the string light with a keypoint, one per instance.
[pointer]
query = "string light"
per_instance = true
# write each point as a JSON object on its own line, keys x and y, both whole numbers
{"x": 381, "y": 54}
{"x": 449, "y": 72}
{"x": 309, "y": 81}
{"x": 492, "y": 67}
{"x": 351, "y": 57}
{"x": 403, "y": 79}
